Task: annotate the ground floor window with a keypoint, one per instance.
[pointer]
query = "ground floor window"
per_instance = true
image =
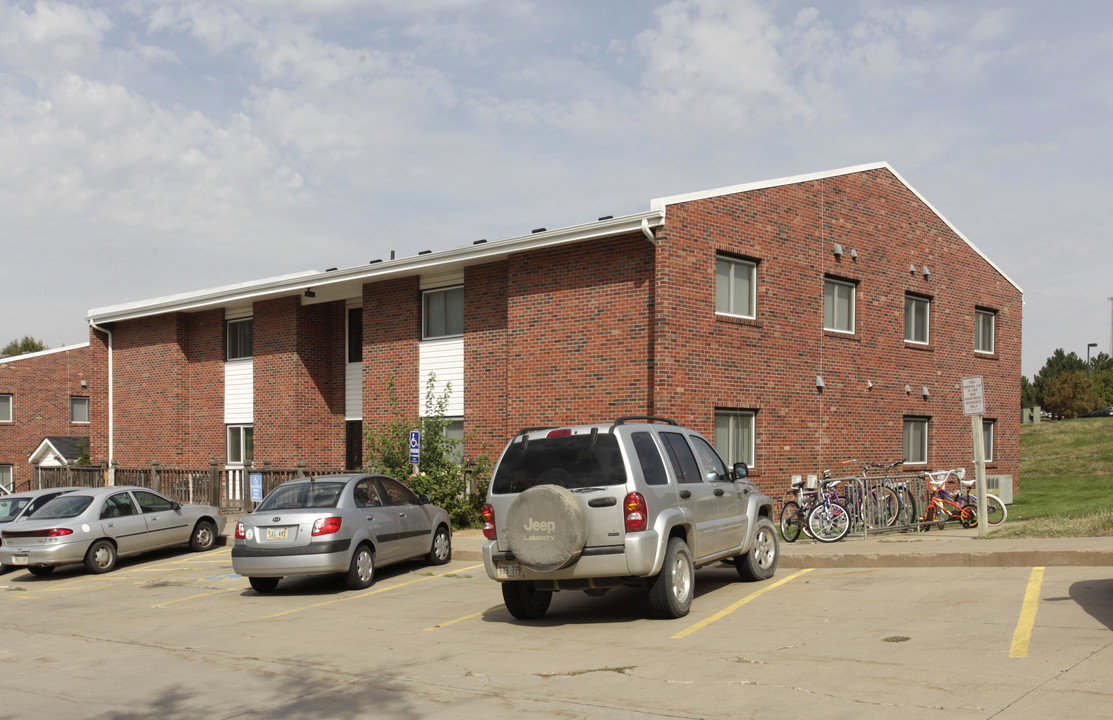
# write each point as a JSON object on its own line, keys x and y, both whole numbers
{"x": 353, "y": 445}
{"x": 454, "y": 433}
{"x": 987, "y": 438}
{"x": 241, "y": 442}
{"x": 6, "y": 477}
{"x": 734, "y": 436}
{"x": 915, "y": 440}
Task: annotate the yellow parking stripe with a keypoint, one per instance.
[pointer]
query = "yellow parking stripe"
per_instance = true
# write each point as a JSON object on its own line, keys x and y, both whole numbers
{"x": 1023, "y": 633}
{"x": 369, "y": 592}
{"x": 466, "y": 617}
{"x": 723, "y": 613}
{"x": 191, "y": 597}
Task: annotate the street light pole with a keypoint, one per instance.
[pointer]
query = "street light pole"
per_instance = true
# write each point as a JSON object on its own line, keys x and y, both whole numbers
{"x": 1088, "y": 346}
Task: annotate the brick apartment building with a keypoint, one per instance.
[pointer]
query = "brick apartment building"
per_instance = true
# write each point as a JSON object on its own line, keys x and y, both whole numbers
{"x": 799, "y": 322}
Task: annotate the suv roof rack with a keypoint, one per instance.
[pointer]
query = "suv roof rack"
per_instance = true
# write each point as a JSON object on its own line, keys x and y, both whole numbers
{"x": 644, "y": 418}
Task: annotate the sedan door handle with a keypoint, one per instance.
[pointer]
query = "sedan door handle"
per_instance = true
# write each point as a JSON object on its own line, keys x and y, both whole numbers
{"x": 685, "y": 494}
{"x": 719, "y": 492}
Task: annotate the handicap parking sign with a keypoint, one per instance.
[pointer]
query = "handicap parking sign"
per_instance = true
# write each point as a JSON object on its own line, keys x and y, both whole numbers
{"x": 415, "y": 447}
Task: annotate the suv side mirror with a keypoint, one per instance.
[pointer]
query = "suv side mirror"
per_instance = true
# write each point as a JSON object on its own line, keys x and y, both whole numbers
{"x": 741, "y": 471}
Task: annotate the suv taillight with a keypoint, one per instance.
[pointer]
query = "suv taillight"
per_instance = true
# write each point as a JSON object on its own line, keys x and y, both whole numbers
{"x": 241, "y": 534}
{"x": 326, "y": 526}
{"x": 488, "y": 516}
{"x": 634, "y": 512}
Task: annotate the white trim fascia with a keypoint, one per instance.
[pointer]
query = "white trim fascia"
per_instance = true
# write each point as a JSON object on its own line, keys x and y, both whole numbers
{"x": 40, "y": 353}
{"x": 47, "y": 446}
{"x": 661, "y": 204}
{"x": 357, "y": 276}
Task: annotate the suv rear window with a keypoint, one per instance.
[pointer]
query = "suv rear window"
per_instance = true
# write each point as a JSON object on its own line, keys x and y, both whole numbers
{"x": 570, "y": 461}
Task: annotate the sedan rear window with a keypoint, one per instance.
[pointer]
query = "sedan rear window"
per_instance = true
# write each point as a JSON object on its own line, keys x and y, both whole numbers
{"x": 10, "y": 507}
{"x": 64, "y": 506}
{"x": 570, "y": 461}
{"x": 302, "y": 495}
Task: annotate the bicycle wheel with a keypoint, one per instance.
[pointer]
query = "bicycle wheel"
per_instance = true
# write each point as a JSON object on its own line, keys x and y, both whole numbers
{"x": 929, "y": 517}
{"x": 969, "y": 516}
{"x": 906, "y": 511}
{"x": 880, "y": 508}
{"x": 791, "y": 521}
{"x": 995, "y": 510}
{"x": 829, "y": 522}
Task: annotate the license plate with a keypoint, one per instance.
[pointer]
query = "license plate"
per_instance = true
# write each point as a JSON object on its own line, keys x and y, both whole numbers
{"x": 19, "y": 559}
{"x": 276, "y": 533}
{"x": 508, "y": 571}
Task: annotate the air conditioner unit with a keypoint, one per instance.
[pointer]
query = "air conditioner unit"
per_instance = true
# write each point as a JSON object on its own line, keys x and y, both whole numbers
{"x": 1001, "y": 486}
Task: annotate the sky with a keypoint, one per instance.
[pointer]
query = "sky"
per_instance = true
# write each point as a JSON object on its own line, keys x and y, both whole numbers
{"x": 155, "y": 147}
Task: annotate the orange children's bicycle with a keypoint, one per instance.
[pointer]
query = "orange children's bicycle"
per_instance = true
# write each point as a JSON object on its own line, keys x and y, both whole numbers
{"x": 944, "y": 503}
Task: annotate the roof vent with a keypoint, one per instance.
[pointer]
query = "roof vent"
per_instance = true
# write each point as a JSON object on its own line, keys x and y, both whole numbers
{"x": 607, "y": 217}
{"x": 480, "y": 241}
{"x": 537, "y": 230}
{"x": 376, "y": 260}
{"x": 425, "y": 252}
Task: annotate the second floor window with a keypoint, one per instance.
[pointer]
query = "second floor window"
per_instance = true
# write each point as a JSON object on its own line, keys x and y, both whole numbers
{"x": 79, "y": 409}
{"x": 735, "y": 287}
{"x": 442, "y": 313}
{"x": 5, "y": 408}
{"x": 240, "y": 339}
{"x": 917, "y": 319}
{"x": 984, "y": 326}
{"x": 355, "y": 335}
{"x": 838, "y": 305}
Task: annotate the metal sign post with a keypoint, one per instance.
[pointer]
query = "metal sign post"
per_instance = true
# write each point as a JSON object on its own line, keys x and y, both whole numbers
{"x": 973, "y": 404}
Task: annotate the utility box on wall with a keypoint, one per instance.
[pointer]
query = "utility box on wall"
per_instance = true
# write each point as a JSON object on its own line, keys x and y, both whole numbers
{"x": 1001, "y": 486}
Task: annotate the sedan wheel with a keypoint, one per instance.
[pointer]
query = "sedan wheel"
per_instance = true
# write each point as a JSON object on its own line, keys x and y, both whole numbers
{"x": 101, "y": 557}
{"x": 203, "y": 538}
{"x": 361, "y": 573}
{"x": 263, "y": 584}
{"x": 442, "y": 547}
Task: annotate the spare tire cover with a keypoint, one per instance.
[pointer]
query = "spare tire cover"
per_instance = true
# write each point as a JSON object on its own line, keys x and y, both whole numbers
{"x": 546, "y": 528}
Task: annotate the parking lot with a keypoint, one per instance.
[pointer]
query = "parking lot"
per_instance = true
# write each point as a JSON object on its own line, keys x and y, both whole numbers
{"x": 177, "y": 635}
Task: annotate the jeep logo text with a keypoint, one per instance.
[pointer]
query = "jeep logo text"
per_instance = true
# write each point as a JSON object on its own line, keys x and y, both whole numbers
{"x": 539, "y": 526}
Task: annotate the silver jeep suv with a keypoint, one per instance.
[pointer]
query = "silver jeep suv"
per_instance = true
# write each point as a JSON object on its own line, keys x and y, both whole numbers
{"x": 639, "y": 502}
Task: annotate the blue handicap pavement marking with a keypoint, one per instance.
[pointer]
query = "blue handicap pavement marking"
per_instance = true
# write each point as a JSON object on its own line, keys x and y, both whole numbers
{"x": 224, "y": 576}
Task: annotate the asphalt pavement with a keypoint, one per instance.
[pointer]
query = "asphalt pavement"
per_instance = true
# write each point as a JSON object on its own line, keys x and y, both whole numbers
{"x": 951, "y": 547}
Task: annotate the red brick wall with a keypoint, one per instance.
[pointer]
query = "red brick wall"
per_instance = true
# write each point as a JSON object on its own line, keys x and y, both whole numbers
{"x": 204, "y": 374}
{"x": 41, "y": 388}
{"x": 770, "y": 365}
{"x": 485, "y": 359}
{"x": 391, "y": 333}
{"x": 150, "y": 391}
{"x": 578, "y": 332}
{"x": 299, "y": 383}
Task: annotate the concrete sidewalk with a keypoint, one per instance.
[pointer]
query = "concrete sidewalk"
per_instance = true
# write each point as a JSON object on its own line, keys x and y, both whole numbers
{"x": 938, "y": 548}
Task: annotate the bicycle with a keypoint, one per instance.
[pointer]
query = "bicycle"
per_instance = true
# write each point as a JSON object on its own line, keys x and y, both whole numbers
{"x": 794, "y": 511}
{"x": 878, "y": 501}
{"x": 946, "y": 503}
{"x": 829, "y": 519}
{"x": 995, "y": 509}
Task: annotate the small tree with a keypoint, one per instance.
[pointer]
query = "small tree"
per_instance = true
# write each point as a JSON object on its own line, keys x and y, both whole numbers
{"x": 457, "y": 486}
{"x": 24, "y": 345}
{"x": 1069, "y": 395}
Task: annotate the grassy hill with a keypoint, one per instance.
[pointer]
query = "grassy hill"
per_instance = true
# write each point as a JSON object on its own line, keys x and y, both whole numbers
{"x": 1066, "y": 480}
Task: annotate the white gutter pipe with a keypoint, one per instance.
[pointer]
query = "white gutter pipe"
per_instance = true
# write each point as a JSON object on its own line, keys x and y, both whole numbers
{"x": 111, "y": 402}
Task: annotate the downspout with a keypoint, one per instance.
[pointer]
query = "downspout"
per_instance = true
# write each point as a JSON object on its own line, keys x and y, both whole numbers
{"x": 111, "y": 404}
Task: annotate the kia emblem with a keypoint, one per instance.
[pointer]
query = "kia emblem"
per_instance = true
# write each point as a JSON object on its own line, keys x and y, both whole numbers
{"x": 275, "y": 519}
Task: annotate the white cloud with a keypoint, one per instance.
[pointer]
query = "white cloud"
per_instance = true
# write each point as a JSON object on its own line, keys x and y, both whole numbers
{"x": 50, "y": 37}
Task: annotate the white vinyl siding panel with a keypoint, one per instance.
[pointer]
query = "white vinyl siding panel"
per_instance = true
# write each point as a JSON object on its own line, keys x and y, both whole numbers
{"x": 353, "y": 391}
{"x": 239, "y": 392}
{"x": 444, "y": 358}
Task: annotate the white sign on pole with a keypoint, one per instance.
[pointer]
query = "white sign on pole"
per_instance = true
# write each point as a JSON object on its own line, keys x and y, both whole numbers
{"x": 973, "y": 396}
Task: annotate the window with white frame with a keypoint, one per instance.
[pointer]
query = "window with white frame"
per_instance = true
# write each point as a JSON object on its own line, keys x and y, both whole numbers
{"x": 916, "y": 440}
{"x": 240, "y": 340}
{"x": 241, "y": 441}
{"x": 917, "y": 319}
{"x": 79, "y": 409}
{"x": 454, "y": 433}
{"x": 734, "y": 436}
{"x": 442, "y": 313}
{"x": 988, "y": 427}
{"x": 6, "y": 477}
{"x": 735, "y": 287}
{"x": 5, "y": 408}
{"x": 985, "y": 322}
{"x": 838, "y": 305}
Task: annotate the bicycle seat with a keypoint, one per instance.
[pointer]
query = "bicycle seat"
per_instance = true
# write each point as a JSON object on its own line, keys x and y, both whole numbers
{"x": 967, "y": 483}
{"x": 796, "y": 484}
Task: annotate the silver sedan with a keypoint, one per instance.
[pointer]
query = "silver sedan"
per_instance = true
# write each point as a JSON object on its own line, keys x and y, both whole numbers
{"x": 345, "y": 524}
{"x": 95, "y": 526}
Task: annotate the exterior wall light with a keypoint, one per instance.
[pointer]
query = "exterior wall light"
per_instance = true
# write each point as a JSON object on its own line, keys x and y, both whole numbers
{"x": 819, "y": 382}
{"x": 924, "y": 391}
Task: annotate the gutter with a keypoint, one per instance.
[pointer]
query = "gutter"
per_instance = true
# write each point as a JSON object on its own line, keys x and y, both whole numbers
{"x": 111, "y": 401}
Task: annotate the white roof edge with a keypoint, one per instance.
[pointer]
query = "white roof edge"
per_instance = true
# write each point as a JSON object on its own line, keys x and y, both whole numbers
{"x": 40, "y": 353}
{"x": 661, "y": 204}
{"x": 286, "y": 284}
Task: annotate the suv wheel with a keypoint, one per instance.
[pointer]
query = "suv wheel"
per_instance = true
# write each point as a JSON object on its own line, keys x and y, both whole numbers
{"x": 670, "y": 592}
{"x": 524, "y": 600}
{"x": 761, "y": 562}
